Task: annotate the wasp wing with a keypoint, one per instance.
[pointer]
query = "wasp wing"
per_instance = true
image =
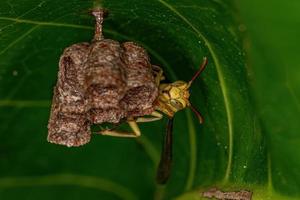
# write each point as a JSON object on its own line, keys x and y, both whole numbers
{"x": 164, "y": 167}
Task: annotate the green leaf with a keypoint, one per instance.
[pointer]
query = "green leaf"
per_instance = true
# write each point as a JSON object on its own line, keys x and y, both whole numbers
{"x": 273, "y": 54}
{"x": 234, "y": 149}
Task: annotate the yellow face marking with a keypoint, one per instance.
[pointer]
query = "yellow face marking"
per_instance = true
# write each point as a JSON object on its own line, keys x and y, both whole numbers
{"x": 175, "y": 97}
{"x": 175, "y": 93}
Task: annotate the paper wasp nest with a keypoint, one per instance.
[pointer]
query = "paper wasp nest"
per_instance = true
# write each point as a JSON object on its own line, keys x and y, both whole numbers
{"x": 103, "y": 81}
{"x": 68, "y": 124}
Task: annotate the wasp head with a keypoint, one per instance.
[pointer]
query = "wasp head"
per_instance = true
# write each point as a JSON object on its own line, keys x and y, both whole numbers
{"x": 174, "y": 97}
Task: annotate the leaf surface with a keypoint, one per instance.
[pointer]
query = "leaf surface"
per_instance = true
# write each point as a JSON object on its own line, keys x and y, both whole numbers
{"x": 229, "y": 150}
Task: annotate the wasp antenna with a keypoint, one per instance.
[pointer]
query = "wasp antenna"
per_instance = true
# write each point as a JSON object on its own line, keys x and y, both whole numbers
{"x": 201, "y": 69}
{"x": 99, "y": 14}
{"x": 164, "y": 167}
{"x": 197, "y": 113}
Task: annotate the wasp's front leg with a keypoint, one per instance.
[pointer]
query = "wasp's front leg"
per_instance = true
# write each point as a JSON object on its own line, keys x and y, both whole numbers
{"x": 133, "y": 125}
{"x": 154, "y": 117}
{"x": 158, "y": 74}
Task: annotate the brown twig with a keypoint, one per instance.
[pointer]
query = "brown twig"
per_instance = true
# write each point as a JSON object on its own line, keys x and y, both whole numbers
{"x": 236, "y": 195}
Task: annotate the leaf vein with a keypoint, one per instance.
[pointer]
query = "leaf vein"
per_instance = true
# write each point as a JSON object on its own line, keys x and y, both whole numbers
{"x": 70, "y": 179}
{"x": 25, "y": 103}
{"x": 26, "y": 21}
{"x": 18, "y": 39}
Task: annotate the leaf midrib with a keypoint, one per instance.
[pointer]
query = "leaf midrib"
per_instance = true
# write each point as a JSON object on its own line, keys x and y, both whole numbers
{"x": 223, "y": 86}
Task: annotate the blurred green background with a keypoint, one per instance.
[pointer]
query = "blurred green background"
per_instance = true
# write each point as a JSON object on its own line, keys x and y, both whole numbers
{"x": 249, "y": 96}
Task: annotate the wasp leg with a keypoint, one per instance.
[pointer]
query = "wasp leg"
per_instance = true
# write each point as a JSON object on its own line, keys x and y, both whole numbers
{"x": 158, "y": 74}
{"x": 133, "y": 125}
{"x": 156, "y": 116}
